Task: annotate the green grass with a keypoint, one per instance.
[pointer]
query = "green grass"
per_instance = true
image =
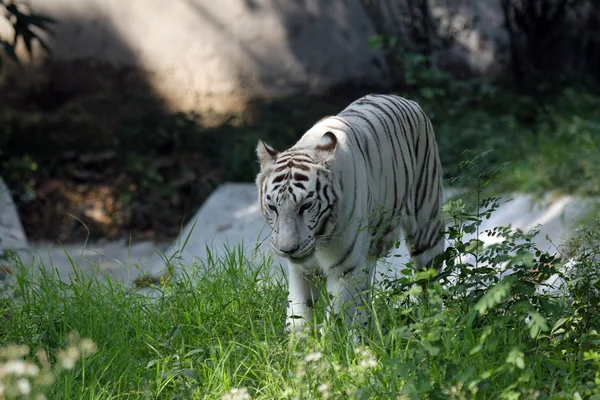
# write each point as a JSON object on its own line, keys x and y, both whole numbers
{"x": 544, "y": 142}
{"x": 218, "y": 333}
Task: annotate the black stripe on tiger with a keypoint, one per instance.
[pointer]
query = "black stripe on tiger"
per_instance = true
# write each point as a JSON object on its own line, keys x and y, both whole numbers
{"x": 395, "y": 152}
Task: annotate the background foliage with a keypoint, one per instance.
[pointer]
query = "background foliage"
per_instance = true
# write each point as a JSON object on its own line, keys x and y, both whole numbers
{"x": 76, "y": 144}
{"x": 28, "y": 28}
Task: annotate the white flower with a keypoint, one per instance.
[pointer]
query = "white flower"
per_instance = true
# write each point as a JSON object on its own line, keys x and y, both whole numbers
{"x": 87, "y": 347}
{"x": 316, "y": 356}
{"x": 68, "y": 357}
{"x": 323, "y": 388}
{"x": 367, "y": 360}
{"x": 14, "y": 351}
{"x": 24, "y": 386}
{"x": 19, "y": 368}
{"x": 13, "y": 367}
{"x": 236, "y": 394}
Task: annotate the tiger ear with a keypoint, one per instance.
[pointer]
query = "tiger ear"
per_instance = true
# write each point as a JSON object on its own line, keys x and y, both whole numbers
{"x": 326, "y": 147}
{"x": 266, "y": 154}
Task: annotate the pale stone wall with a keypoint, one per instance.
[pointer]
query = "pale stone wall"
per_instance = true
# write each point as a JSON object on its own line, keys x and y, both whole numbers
{"x": 461, "y": 34}
{"x": 197, "y": 50}
{"x": 477, "y": 29}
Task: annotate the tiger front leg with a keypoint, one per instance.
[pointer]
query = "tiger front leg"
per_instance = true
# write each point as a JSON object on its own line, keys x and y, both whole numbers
{"x": 302, "y": 296}
{"x": 350, "y": 298}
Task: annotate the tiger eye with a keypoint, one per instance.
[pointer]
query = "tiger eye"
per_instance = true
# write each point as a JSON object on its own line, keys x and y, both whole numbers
{"x": 305, "y": 207}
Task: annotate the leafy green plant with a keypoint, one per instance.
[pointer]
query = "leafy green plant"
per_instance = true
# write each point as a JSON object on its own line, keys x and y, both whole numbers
{"x": 27, "y": 27}
{"x": 583, "y": 283}
{"x": 416, "y": 74}
{"x": 495, "y": 300}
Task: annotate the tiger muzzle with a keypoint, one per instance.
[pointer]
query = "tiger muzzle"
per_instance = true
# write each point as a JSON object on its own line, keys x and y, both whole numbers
{"x": 287, "y": 240}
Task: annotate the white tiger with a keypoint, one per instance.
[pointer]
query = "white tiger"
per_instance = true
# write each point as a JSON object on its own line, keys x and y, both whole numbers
{"x": 338, "y": 199}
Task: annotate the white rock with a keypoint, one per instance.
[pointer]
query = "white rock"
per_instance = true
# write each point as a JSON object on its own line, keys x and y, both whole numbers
{"x": 231, "y": 217}
{"x": 12, "y": 236}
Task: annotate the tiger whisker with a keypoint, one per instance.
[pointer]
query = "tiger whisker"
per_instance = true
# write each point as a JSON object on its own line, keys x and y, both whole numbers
{"x": 329, "y": 237}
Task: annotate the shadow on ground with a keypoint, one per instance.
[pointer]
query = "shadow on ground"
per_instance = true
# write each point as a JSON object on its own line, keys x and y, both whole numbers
{"x": 90, "y": 150}
{"x": 100, "y": 160}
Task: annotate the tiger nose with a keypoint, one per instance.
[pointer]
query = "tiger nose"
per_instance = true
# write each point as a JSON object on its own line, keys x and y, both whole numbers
{"x": 289, "y": 250}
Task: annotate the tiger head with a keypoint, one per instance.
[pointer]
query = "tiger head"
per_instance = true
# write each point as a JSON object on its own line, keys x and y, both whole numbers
{"x": 297, "y": 195}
